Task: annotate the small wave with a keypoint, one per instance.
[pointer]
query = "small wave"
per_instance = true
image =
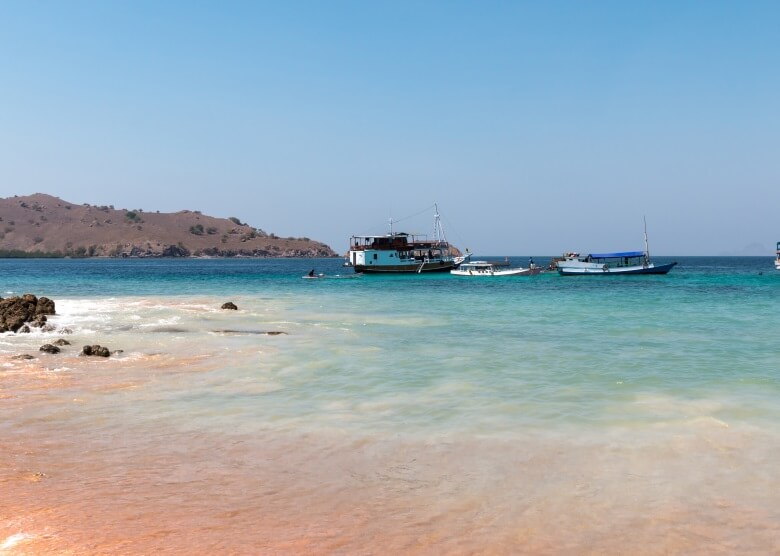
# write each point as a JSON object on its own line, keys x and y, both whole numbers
{"x": 60, "y": 369}
{"x": 260, "y": 332}
{"x": 13, "y": 540}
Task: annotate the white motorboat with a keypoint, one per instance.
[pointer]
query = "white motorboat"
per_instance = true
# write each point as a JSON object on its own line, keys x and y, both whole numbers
{"x": 486, "y": 268}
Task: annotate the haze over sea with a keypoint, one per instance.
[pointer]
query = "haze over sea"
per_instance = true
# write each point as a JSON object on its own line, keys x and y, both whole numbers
{"x": 425, "y": 414}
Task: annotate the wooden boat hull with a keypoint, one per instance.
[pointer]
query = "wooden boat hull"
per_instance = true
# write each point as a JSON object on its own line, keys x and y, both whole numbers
{"x": 604, "y": 270}
{"x": 418, "y": 268}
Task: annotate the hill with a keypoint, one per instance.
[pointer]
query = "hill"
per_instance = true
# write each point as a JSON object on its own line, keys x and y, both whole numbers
{"x": 45, "y": 225}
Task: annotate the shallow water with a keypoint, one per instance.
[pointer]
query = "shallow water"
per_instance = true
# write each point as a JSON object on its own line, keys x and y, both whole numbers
{"x": 414, "y": 414}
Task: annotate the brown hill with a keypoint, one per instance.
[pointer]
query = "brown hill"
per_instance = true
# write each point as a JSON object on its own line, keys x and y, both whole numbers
{"x": 46, "y": 224}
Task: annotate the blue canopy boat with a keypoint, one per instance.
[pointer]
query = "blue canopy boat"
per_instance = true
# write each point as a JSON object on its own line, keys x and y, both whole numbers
{"x": 622, "y": 262}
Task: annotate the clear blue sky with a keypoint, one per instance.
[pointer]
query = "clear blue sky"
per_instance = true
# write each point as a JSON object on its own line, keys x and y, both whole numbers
{"x": 537, "y": 127}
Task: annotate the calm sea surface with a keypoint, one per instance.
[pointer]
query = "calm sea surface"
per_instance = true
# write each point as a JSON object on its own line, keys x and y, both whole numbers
{"x": 425, "y": 414}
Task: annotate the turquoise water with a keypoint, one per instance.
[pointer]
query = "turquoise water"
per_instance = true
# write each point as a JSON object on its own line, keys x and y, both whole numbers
{"x": 584, "y": 383}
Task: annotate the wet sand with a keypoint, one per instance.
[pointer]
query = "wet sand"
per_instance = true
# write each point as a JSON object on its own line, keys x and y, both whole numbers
{"x": 76, "y": 479}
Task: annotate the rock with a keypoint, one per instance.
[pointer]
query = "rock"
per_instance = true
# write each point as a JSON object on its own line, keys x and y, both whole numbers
{"x": 48, "y": 348}
{"x": 23, "y": 356}
{"x": 61, "y": 342}
{"x": 66, "y": 331}
{"x": 16, "y": 311}
{"x": 96, "y": 350}
{"x": 45, "y": 306}
{"x": 230, "y": 305}
{"x": 175, "y": 251}
{"x": 24, "y": 329}
{"x": 39, "y": 321}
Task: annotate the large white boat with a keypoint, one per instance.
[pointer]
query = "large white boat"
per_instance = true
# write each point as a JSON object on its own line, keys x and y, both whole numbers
{"x": 486, "y": 268}
{"x": 777, "y": 257}
{"x": 403, "y": 252}
{"x": 603, "y": 264}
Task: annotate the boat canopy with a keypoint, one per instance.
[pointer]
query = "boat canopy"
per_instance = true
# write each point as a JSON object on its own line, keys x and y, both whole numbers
{"x": 617, "y": 255}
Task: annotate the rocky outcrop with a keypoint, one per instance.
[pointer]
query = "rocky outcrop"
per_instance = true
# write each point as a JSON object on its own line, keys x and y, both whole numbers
{"x": 96, "y": 350}
{"x": 230, "y": 305}
{"x": 175, "y": 251}
{"x": 17, "y": 312}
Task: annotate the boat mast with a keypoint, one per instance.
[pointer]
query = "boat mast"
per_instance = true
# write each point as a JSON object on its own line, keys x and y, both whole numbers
{"x": 647, "y": 249}
{"x": 438, "y": 231}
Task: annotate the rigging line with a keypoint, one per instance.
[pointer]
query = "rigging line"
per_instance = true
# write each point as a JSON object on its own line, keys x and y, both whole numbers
{"x": 413, "y": 215}
{"x": 457, "y": 236}
{"x": 373, "y": 227}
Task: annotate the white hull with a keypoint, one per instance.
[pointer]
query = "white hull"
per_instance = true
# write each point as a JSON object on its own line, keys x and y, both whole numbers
{"x": 484, "y": 268}
{"x": 573, "y": 267}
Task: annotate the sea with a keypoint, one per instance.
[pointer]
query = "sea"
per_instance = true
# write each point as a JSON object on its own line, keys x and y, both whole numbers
{"x": 420, "y": 414}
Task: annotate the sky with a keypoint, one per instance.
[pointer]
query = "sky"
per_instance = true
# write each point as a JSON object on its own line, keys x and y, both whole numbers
{"x": 536, "y": 127}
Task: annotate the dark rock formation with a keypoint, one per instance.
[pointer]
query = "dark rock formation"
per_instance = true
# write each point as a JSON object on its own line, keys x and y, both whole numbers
{"x": 48, "y": 348}
{"x": 96, "y": 350}
{"x": 229, "y": 305}
{"x": 16, "y": 311}
{"x": 175, "y": 251}
{"x": 61, "y": 342}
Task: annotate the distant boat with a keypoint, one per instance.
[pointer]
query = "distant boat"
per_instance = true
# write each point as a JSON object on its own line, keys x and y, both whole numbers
{"x": 486, "y": 268}
{"x": 322, "y": 276}
{"x": 401, "y": 252}
{"x": 604, "y": 264}
{"x": 777, "y": 257}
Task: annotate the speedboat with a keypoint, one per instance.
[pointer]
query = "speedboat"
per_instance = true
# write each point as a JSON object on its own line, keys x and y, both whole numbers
{"x": 486, "y": 268}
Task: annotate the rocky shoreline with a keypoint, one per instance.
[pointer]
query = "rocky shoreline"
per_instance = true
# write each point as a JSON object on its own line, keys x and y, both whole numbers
{"x": 20, "y": 314}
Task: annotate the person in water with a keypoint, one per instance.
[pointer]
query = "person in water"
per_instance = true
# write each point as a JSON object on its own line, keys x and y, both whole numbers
{"x": 311, "y": 273}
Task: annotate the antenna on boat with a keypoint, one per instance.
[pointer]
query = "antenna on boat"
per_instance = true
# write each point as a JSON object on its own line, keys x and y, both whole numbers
{"x": 391, "y": 225}
{"x": 647, "y": 248}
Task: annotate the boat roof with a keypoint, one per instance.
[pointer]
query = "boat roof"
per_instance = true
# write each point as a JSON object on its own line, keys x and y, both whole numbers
{"x": 394, "y": 234}
{"x": 617, "y": 255}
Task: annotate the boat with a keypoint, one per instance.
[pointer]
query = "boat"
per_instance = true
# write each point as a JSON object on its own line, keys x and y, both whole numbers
{"x": 618, "y": 263}
{"x": 777, "y": 257}
{"x": 487, "y": 268}
{"x": 400, "y": 252}
{"x": 322, "y": 276}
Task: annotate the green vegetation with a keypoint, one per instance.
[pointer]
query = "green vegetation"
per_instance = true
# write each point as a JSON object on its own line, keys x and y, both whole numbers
{"x": 18, "y": 254}
{"x": 132, "y": 216}
{"x": 197, "y": 229}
